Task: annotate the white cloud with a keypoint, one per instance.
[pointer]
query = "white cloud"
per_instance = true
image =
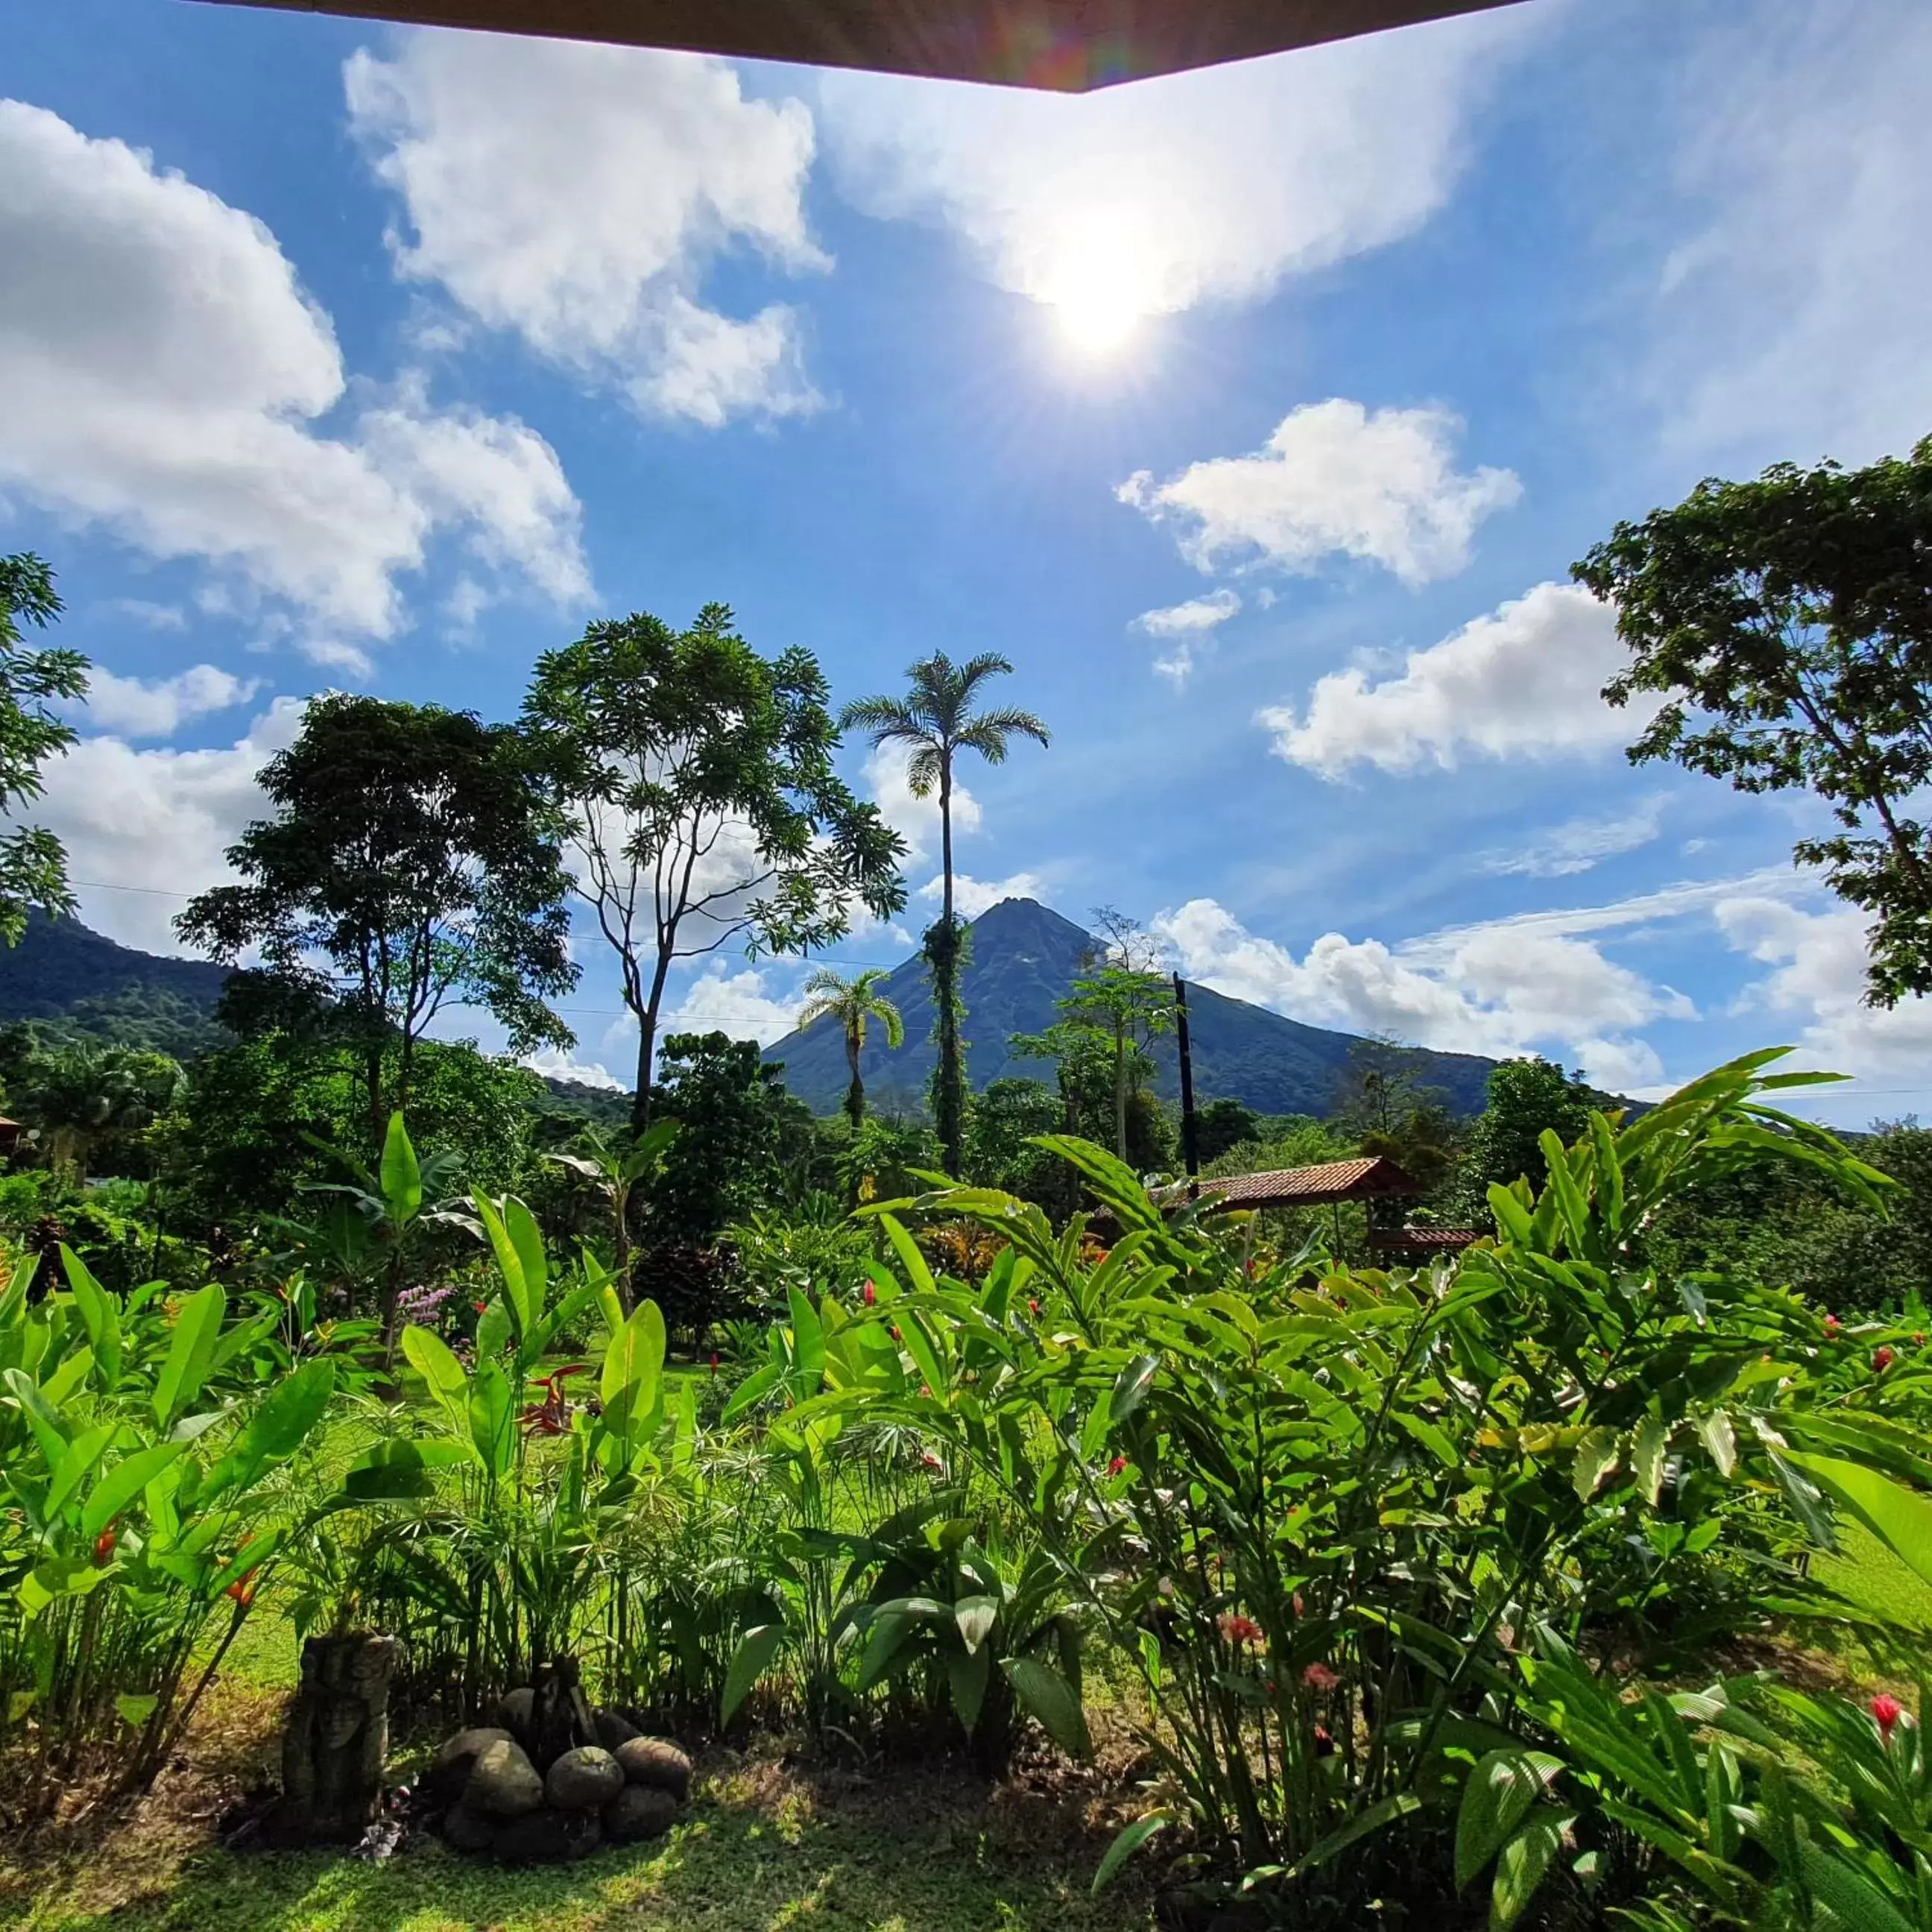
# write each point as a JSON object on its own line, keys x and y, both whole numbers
{"x": 553, "y": 1062}
{"x": 144, "y": 611}
{"x": 576, "y": 194}
{"x": 1522, "y": 681}
{"x": 1189, "y": 625}
{"x": 146, "y": 829}
{"x": 1581, "y": 844}
{"x": 1333, "y": 479}
{"x": 165, "y": 373}
{"x": 915, "y": 819}
{"x": 971, "y": 897}
{"x": 1489, "y": 990}
{"x": 1793, "y": 322}
{"x": 1151, "y": 198}
{"x": 156, "y": 708}
{"x": 742, "y": 1004}
{"x": 1820, "y": 959}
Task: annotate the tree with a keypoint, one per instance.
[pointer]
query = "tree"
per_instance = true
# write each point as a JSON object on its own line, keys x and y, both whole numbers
{"x": 33, "y": 862}
{"x": 1000, "y": 1126}
{"x": 697, "y": 776}
{"x": 1384, "y": 1101}
{"x": 853, "y": 1003}
{"x": 1787, "y": 624}
{"x": 727, "y": 1156}
{"x": 84, "y": 1098}
{"x": 1524, "y": 1097}
{"x": 935, "y": 721}
{"x": 1223, "y": 1124}
{"x": 414, "y": 850}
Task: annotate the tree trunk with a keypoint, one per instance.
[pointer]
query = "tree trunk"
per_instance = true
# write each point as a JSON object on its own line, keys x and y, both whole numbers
{"x": 855, "y": 1094}
{"x": 337, "y": 1738}
{"x": 647, "y": 1046}
{"x": 1119, "y": 1093}
{"x": 951, "y": 1100}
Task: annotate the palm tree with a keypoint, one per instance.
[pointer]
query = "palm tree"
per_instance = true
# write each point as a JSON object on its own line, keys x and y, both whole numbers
{"x": 852, "y": 1003}
{"x": 935, "y": 720}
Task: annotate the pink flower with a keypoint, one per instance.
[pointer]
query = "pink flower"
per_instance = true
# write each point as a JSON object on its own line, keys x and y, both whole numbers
{"x": 1832, "y": 1325}
{"x": 1238, "y": 1629}
{"x": 1319, "y": 1677}
{"x": 1886, "y": 1712}
{"x": 1114, "y": 1468}
{"x": 871, "y": 1295}
{"x": 1882, "y": 1359}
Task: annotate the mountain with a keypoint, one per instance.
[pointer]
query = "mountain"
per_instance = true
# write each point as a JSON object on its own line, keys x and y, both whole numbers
{"x": 77, "y": 984}
{"x": 1023, "y": 958}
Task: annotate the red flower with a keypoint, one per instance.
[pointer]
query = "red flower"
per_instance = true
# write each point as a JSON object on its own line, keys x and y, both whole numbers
{"x": 929, "y": 1461}
{"x": 714, "y": 1361}
{"x": 1238, "y": 1629}
{"x": 1114, "y": 1468}
{"x": 1319, "y": 1677}
{"x": 479, "y": 1305}
{"x": 925, "y": 1392}
{"x": 1886, "y": 1712}
{"x": 1918, "y": 1338}
{"x": 1882, "y": 1359}
{"x": 1032, "y": 1307}
{"x": 871, "y": 1295}
{"x": 242, "y": 1590}
{"x": 1832, "y": 1324}
{"x": 104, "y": 1543}
{"x": 893, "y": 1331}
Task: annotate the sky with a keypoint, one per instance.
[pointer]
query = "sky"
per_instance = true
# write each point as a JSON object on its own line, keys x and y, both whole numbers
{"x": 1256, "y": 415}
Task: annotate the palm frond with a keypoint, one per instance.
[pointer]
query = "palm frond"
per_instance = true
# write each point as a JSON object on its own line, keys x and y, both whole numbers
{"x": 922, "y": 770}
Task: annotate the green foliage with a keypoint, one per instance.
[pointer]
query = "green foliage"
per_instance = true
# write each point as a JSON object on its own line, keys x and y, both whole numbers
{"x": 659, "y": 742}
{"x": 33, "y": 864}
{"x": 413, "y": 851}
{"x": 852, "y": 1005}
{"x": 1003, "y": 1130}
{"x": 1525, "y": 1099}
{"x": 1221, "y": 1126}
{"x": 85, "y": 1100}
{"x": 1786, "y": 625}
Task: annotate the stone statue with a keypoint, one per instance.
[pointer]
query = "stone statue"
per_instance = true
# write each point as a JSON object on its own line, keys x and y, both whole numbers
{"x": 337, "y": 1737}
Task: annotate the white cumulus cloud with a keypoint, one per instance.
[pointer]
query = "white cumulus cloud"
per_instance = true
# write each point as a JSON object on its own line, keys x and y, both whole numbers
{"x": 743, "y": 1002}
{"x": 1187, "y": 626}
{"x": 916, "y": 820}
{"x": 1209, "y": 186}
{"x": 971, "y": 896}
{"x": 576, "y": 194}
{"x": 135, "y": 707}
{"x": 146, "y": 829}
{"x": 1333, "y": 479}
{"x": 166, "y": 375}
{"x": 1522, "y": 681}
{"x": 1494, "y": 989}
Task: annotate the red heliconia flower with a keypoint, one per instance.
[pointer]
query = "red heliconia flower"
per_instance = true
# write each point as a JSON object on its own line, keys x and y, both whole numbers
{"x": 1238, "y": 1628}
{"x": 1319, "y": 1677}
{"x": 1886, "y": 1712}
{"x": 1114, "y": 1468}
{"x": 929, "y": 1461}
{"x": 479, "y": 1305}
{"x": 242, "y": 1590}
{"x": 714, "y": 1361}
{"x": 104, "y": 1544}
{"x": 871, "y": 1293}
{"x": 1033, "y": 1306}
{"x": 1882, "y": 1359}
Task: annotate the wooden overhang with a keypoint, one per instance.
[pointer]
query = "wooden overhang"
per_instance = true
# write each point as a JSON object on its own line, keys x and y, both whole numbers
{"x": 1070, "y": 46}
{"x": 1370, "y": 1177}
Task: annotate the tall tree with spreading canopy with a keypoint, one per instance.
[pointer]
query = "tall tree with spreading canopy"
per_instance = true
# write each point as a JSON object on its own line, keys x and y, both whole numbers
{"x": 1787, "y": 626}
{"x": 412, "y": 863}
{"x": 33, "y": 862}
{"x": 935, "y": 721}
{"x": 698, "y": 778}
{"x": 853, "y": 1004}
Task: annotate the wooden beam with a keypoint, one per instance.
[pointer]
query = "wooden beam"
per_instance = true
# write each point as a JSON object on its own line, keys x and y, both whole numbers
{"x": 1068, "y": 45}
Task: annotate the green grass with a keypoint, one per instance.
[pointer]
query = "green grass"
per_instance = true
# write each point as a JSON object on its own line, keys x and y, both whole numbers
{"x": 760, "y": 1851}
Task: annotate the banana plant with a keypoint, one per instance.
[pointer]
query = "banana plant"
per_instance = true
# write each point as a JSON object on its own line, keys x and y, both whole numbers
{"x": 615, "y": 1172}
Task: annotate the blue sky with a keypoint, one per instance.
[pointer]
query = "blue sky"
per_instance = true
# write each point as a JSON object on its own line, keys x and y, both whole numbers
{"x": 1256, "y": 415}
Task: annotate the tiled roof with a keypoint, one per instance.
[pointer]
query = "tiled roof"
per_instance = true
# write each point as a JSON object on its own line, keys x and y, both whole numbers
{"x": 1424, "y": 1238}
{"x": 1370, "y": 1176}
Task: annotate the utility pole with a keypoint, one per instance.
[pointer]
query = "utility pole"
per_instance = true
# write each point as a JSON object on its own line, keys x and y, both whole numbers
{"x": 1190, "y": 1144}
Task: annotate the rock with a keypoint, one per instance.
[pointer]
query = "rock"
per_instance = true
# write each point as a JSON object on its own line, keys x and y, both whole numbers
{"x": 547, "y": 1836}
{"x": 504, "y": 1782}
{"x": 584, "y": 1780}
{"x": 445, "y": 1779}
{"x": 613, "y": 1729}
{"x": 656, "y": 1763}
{"x": 464, "y": 1830}
{"x": 638, "y": 1812}
{"x": 560, "y": 1713}
{"x": 514, "y": 1712}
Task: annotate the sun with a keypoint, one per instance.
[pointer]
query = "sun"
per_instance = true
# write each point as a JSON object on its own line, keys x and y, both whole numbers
{"x": 1099, "y": 283}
